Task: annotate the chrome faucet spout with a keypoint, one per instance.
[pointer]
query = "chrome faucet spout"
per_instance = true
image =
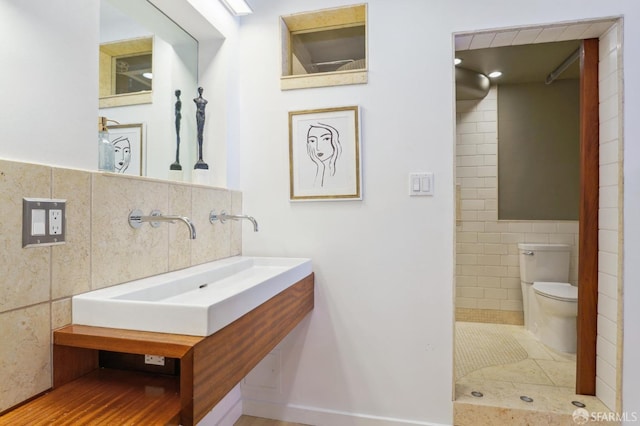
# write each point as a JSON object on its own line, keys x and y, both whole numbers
{"x": 224, "y": 216}
{"x": 136, "y": 219}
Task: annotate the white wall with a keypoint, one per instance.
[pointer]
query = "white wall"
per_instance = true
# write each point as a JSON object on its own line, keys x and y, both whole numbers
{"x": 49, "y": 82}
{"x": 379, "y": 340}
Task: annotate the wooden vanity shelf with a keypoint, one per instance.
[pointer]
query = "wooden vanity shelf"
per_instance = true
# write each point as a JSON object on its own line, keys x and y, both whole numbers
{"x": 206, "y": 368}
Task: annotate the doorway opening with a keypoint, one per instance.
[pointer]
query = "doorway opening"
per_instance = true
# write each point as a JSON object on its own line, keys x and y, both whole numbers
{"x": 489, "y": 310}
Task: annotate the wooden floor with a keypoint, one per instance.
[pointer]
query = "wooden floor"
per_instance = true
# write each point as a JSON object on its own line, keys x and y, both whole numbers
{"x": 257, "y": 421}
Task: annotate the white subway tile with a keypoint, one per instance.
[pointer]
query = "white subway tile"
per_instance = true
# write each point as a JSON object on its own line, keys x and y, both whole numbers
{"x": 511, "y": 283}
{"x": 487, "y": 149}
{"x": 489, "y": 237}
{"x": 512, "y": 237}
{"x": 489, "y": 260}
{"x": 608, "y": 241}
{"x": 470, "y": 117}
{"x": 608, "y": 41}
{"x": 573, "y": 32}
{"x": 490, "y": 160}
{"x": 608, "y": 196}
{"x": 466, "y": 128}
{"x": 608, "y": 86}
{"x": 466, "y": 259}
{"x": 562, "y": 239}
{"x": 489, "y": 282}
{"x": 510, "y": 260}
{"x": 488, "y": 105}
{"x": 468, "y": 215}
{"x": 473, "y": 227}
{"x": 488, "y": 126}
{"x": 608, "y": 174}
{"x": 466, "y": 281}
{"x": 609, "y": 108}
{"x": 472, "y": 204}
{"x": 608, "y": 263}
{"x": 605, "y": 371}
{"x": 514, "y": 294}
{"x": 607, "y": 329}
{"x": 489, "y": 115}
{"x": 496, "y": 227}
{"x": 489, "y": 304}
{"x": 608, "y": 307}
{"x": 493, "y": 271}
{"x": 496, "y": 293}
{"x": 469, "y": 248}
{"x": 504, "y": 38}
{"x": 488, "y": 215}
{"x": 513, "y": 271}
{"x": 607, "y": 65}
{"x": 473, "y": 182}
{"x": 568, "y": 227}
{"x": 463, "y": 302}
{"x": 490, "y": 182}
{"x": 466, "y": 105}
{"x": 545, "y": 227}
{"x": 609, "y": 130}
{"x": 606, "y": 393}
{"x": 467, "y": 237}
{"x": 463, "y": 172}
{"x": 470, "y": 138}
{"x": 486, "y": 171}
{"x": 530, "y": 237}
{"x": 527, "y": 36}
{"x": 608, "y": 219}
{"x": 511, "y": 305}
{"x": 608, "y": 152}
{"x": 462, "y": 150}
{"x": 608, "y": 284}
{"x": 487, "y": 193}
{"x": 470, "y": 292}
{"x": 491, "y": 204}
{"x": 520, "y": 227}
{"x": 481, "y": 41}
{"x": 470, "y": 160}
{"x": 468, "y": 194}
{"x": 496, "y": 249}
{"x": 473, "y": 270}
{"x": 606, "y": 351}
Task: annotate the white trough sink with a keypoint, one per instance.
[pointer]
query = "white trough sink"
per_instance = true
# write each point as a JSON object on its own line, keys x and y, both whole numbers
{"x": 197, "y": 301}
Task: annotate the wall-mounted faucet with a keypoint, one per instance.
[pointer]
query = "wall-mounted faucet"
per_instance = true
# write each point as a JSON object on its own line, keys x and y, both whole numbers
{"x": 224, "y": 216}
{"x": 136, "y": 219}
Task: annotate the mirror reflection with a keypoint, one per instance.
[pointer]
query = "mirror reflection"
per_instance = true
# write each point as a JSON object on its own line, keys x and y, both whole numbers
{"x": 144, "y": 58}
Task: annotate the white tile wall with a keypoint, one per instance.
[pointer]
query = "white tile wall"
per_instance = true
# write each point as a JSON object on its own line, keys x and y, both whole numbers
{"x": 487, "y": 255}
{"x": 607, "y": 361}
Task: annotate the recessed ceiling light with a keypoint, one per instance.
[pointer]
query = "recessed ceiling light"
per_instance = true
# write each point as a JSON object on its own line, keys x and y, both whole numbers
{"x": 457, "y": 61}
{"x": 495, "y": 74}
{"x": 147, "y": 75}
{"x": 237, "y": 7}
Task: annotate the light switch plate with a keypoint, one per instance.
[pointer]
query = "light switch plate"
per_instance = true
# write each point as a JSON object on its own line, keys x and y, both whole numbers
{"x": 420, "y": 184}
{"x": 43, "y": 222}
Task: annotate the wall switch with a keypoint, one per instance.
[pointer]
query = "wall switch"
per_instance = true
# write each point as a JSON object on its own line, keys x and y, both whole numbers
{"x": 38, "y": 221}
{"x": 154, "y": 359}
{"x": 420, "y": 184}
{"x": 43, "y": 222}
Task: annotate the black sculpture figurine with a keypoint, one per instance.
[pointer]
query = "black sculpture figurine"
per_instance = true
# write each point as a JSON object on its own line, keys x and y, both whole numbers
{"x": 201, "y": 103}
{"x": 176, "y": 165}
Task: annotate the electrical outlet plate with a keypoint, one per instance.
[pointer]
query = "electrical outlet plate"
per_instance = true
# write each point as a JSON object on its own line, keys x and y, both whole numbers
{"x": 154, "y": 359}
{"x": 43, "y": 222}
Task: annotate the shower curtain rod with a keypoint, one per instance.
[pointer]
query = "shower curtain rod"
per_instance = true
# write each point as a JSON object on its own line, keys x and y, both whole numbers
{"x": 562, "y": 67}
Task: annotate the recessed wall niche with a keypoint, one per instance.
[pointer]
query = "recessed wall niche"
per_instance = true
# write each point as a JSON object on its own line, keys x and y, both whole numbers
{"x": 324, "y": 48}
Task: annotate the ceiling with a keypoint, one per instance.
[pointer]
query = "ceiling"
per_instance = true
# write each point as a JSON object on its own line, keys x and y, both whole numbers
{"x": 528, "y": 54}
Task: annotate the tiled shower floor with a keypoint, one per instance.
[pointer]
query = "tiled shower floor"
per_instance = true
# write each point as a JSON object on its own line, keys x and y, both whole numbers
{"x": 505, "y": 363}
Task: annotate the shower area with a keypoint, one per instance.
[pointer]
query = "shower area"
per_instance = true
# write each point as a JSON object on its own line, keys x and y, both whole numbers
{"x": 517, "y": 181}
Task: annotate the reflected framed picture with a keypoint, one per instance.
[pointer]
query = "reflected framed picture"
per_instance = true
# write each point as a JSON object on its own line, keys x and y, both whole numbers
{"x": 129, "y": 147}
{"x": 324, "y": 154}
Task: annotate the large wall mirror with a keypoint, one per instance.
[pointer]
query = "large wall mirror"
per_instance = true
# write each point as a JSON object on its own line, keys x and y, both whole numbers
{"x": 145, "y": 58}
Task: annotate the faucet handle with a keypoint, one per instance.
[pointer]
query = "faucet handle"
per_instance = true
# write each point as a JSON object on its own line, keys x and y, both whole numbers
{"x": 213, "y": 216}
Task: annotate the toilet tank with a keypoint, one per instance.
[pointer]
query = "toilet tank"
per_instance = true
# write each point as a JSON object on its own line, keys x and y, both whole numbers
{"x": 544, "y": 262}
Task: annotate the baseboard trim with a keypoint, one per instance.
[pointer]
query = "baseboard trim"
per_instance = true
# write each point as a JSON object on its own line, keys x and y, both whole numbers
{"x": 322, "y": 417}
{"x": 226, "y": 412}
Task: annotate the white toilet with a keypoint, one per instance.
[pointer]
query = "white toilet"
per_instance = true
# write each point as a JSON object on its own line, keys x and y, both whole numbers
{"x": 550, "y": 303}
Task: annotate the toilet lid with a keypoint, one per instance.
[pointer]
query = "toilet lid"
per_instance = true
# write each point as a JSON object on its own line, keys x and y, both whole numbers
{"x": 558, "y": 291}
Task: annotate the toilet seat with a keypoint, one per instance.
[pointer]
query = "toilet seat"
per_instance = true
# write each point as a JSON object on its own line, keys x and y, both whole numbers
{"x": 558, "y": 291}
